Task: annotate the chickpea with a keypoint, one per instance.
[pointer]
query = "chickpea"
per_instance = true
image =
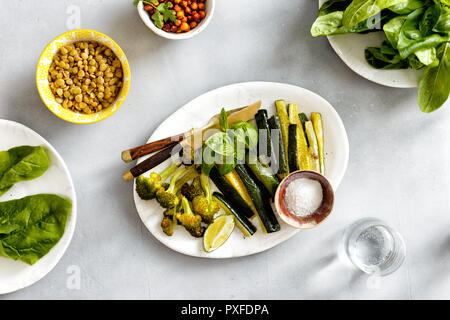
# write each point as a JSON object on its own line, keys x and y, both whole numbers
{"x": 193, "y": 24}
{"x": 184, "y": 27}
{"x": 201, "y": 6}
{"x": 180, "y": 14}
{"x": 194, "y": 6}
{"x": 202, "y": 14}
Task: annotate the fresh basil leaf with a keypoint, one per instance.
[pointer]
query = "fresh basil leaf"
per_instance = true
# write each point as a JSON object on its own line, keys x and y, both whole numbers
{"x": 360, "y": 10}
{"x": 30, "y": 227}
{"x": 434, "y": 87}
{"x": 223, "y": 120}
{"x": 208, "y": 160}
{"x": 245, "y": 133}
{"x": 227, "y": 166}
{"x": 220, "y": 143}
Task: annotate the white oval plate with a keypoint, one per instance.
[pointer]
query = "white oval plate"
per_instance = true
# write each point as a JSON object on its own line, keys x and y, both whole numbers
{"x": 350, "y": 48}
{"x": 15, "y": 275}
{"x": 197, "y": 112}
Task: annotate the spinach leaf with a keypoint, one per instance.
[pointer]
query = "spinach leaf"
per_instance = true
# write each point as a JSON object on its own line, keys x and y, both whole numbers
{"x": 443, "y": 23}
{"x": 414, "y": 62}
{"x": 331, "y": 24}
{"x": 408, "y": 7}
{"x": 434, "y": 87}
{"x": 392, "y": 29}
{"x": 21, "y": 164}
{"x": 332, "y": 6}
{"x": 385, "y": 58}
{"x": 411, "y": 38}
{"x": 429, "y": 19}
{"x": 427, "y": 57}
{"x": 360, "y": 10}
{"x": 31, "y": 226}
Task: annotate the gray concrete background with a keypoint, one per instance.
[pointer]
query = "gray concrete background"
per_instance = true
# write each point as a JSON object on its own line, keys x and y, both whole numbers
{"x": 399, "y": 157}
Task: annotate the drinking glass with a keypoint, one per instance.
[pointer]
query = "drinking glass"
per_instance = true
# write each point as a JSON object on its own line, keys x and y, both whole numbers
{"x": 374, "y": 247}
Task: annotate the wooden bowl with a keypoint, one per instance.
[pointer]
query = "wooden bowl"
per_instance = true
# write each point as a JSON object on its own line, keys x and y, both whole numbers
{"x": 319, "y": 215}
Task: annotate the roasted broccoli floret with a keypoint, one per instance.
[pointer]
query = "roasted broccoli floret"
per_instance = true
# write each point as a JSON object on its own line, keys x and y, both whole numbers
{"x": 190, "y": 191}
{"x": 146, "y": 187}
{"x": 204, "y": 205}
{"x": 167, "y": 226}
{"x": 190, "y": 221}
{"x": 168, "y": 198}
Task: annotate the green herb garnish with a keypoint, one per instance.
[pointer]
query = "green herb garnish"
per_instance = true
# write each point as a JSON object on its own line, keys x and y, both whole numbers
{"x": 163, "y": 12}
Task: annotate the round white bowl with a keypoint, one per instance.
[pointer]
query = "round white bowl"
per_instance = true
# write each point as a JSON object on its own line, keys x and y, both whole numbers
{"x": 209, "y": 10}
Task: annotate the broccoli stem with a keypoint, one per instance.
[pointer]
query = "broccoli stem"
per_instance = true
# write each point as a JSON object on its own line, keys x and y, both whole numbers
{"x": 167, "y": 172}
{"x": 204, "y": 181}
{"x": 191, "y": 173}
{"x": 174, "y": 179}
{"x": 186, "y": 207}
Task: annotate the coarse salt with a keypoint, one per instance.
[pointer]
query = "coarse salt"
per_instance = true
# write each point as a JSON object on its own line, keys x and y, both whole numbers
{"x": 303, "y": 196}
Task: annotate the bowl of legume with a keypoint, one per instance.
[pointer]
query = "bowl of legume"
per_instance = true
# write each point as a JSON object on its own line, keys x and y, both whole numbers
{"x": 176, "y": 19}
{"x": 83, "y": 76}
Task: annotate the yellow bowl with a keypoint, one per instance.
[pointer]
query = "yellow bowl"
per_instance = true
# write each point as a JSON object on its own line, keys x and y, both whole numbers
{"x": 44, "y": 64}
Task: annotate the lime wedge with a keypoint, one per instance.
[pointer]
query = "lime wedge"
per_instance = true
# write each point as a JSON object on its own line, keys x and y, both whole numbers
{"x": 218, "y": 232}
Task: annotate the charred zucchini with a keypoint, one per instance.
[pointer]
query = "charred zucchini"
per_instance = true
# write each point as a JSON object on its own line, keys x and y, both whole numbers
{"x": 284, "y": 122}
{"x": 242, "y": 222}
{"x": 264, "y": 145}
{"x": 302, "y": 146}
{"x": 233, "y": 196}
{"x": 292, "y": 148}
{"x": 316, "y": 119}
{"x": 280, "y": 156}
{"x": 263, "y": 174}
{"x": 260, "y": 198}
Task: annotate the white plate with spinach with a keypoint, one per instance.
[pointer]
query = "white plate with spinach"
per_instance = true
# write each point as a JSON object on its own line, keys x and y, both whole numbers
{"x": 37, "y": 207}
{"x": 197, "y": 112}
{"x": 397, "y": 43}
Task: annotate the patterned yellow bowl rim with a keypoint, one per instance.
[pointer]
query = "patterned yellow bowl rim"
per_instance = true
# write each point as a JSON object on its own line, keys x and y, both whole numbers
{"x": 44, "y": 64}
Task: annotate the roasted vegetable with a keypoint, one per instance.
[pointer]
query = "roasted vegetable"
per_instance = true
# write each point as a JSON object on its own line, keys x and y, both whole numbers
{"x": 168, "y": 198}
{"x": 263, "y": 174}
{"x": 236, "y": 182}
{"x": 284, "y": 122}
{"x": 263, "y": 126}
{"x": 190, "y": 221}
{"x": 204, "y": 205}
{"x": 316, "y": 119}
{"x": 167, "y": 225}
{"x": 242, "y": 222}
{"x": 191, "y": 173}
{"x": 190, "y": 191}
{"x": 231, "y": 193}
{"x": 313, "y": 148}
{"x": 302, "y": 146}
{"x": 260, "y": 198}
{"x": 146, "y": 187}
{"x": 293, "y": 150}
{"x": 279, "y": 156}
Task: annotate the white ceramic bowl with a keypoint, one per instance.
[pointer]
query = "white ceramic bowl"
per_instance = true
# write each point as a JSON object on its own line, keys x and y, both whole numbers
{"x": 209, "y": 10}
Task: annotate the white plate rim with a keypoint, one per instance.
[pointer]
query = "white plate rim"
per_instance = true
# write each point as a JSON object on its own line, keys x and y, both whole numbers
{"x": 70, "y": 225}
{"x": 345, "y": 147}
